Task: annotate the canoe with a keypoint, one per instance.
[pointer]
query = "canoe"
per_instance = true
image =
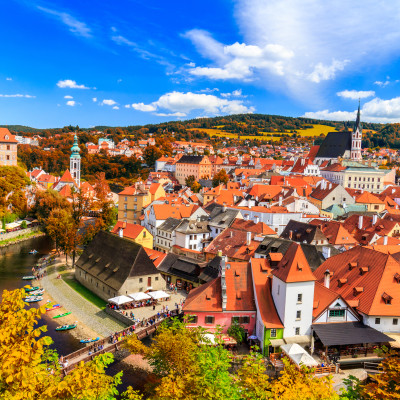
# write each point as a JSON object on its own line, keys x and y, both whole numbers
{"x": 33, "y": 299}
{"x": 32, "y": 289}
{"x": 36, "y": 292}
{"x": 66, "y": 327}
{"x": 62, "y": 315}
{"x": 90, "y": 340}
{"x": 28, "y": 278}
{"x": 53, "y": 307}
{"x": 33, "y": 252}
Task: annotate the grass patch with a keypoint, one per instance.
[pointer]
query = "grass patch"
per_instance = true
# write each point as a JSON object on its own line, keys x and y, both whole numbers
{"x": 84, "y": 292}
{"x": 20, "y": 237}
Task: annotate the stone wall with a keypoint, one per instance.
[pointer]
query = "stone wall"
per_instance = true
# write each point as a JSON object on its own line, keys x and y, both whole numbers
{"x": 118, "y": 316}
{"x": 14, "y": 234}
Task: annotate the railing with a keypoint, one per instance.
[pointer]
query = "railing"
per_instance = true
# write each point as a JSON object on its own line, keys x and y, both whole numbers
{"x": 330, "y": 369}
{"x": 373, "y": 367}
{"x": 141, "y": 331}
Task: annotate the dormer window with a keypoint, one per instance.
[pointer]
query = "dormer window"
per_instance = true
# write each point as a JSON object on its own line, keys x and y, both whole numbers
{"x": 341, "y": 282}
{"x": 363, "y": 270}
{"x": 387, "y": 298}
{"x": 352, "y": 265}
{"x": 397, "y": 277}
{"x": 357, "y": 290}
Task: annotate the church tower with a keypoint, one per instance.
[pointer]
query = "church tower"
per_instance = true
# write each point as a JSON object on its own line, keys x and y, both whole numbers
{"x": 356, "y": 139}
{"x": 75, "y": 162}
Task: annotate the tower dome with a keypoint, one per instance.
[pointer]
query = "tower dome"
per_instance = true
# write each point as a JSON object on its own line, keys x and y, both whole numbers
{"x": 75, "y": 150}
{"x": 75, "y": 162}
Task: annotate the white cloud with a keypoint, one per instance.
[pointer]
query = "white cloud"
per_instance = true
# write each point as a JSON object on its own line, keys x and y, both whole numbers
{"x": 119, "y": 80}
{"x": 356, "y": 94}
{"x": 375, "y": 110}
{"x": 108, "y": 102}
{"x": 143, "y": 107}
{"x": 127, "y": 106}
{"x": 235, "y": 93}
{"x": 68, "y": 97}
{"x": 8, "y": 79}
{"x": 94, "y": 99}
{"x": 323, "y": 72}
{"x": 71, "y": 103}
{"x": 181, "y": 104}
{"x": 294, "y": 46}
{"x": 77, "y": 27}
{"x": 208, "y": 90}
{"x": 386, "y": 83}
{"x": 27, "y": 96}
{"x": 177, "y": 114}
{"x": 70, "y": 84}
{"x": 115, "y": 108}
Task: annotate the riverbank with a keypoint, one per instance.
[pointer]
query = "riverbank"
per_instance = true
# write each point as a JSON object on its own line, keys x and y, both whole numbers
{"x": 21, "y": 238}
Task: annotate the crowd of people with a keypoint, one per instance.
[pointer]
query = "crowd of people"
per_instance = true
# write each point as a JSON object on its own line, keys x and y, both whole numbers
{"x": 133, "y": 304}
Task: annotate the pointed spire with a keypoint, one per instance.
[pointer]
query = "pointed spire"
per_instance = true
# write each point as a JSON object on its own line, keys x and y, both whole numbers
{"x": 358, "y": 120}
{"x": 75, "y": 150}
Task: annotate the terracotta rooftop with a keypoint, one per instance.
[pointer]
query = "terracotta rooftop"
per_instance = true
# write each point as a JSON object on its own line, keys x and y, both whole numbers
{"x": 6, "y": 136}
{"x": 130, "y": 231}
{"x": 294, "y": 266}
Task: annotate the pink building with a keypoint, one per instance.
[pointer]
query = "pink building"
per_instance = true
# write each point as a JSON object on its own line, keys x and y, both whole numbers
{"x": 225, "y": 299}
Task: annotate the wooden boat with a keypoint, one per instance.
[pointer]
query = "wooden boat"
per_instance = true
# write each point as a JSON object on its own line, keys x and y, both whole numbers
{"x": 36, "y": 292}
{"x": 28, "y": 278}
{"x": 90, "y": 340}
{"x": 32, "y": 289}
{"x": 66, "y": 327}
{"x": 33, "y": 299}
{"x": 54, "y": 307}
{"x": 33, "y": 251}
{"x": 62, "y": 315}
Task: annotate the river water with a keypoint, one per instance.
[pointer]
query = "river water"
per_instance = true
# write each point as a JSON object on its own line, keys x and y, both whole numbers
{"x": 15, "y": 262}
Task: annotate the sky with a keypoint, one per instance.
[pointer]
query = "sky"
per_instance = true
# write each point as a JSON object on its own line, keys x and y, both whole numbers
{"x": 133, "y": 62}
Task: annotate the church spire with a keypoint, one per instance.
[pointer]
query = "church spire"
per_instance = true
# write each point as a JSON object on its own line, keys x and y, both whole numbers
{"x": 75, "y": 162}
{"x": 356, "y": 138}
{"x": 358, "y": 120}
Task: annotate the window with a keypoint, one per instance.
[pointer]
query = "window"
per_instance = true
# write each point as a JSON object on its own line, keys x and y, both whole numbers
{"x": 377, "y": 321}
{"x": 156, "y": 278}
{"x": 297, "y": 331}
{"x": 135, "y": 199}
{"x": 209, "y": 319}
{"x": 126, "y": 198}
{"x": 192, "y": 319}
{"x": 140, "y": 280}
{"x": 299, "y": 298}
{"x": 336, "y": 313}
{"x": 235, "y": 320}
{"x": 395, "y": 321}
{"x": 244, "y": 320}
{"x": 298, "y": 315}
{"x": 273, "y": 333}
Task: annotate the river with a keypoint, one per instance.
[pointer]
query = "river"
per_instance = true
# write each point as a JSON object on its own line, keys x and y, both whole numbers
{"x": 15, "y": 262}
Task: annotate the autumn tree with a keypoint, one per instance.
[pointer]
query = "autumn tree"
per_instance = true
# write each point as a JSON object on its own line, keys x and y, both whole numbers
{"x": 151, "y": 154}
{"x": 190, "y": 180}
{"x": 220, "y": 178}
{"x": 29, "y": 371}
{"x": 48, "y": 201}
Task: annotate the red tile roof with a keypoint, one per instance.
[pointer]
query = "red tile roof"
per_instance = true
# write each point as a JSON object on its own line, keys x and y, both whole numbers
{"x": 239, "y": 292}
{"x": 130, "y": 231}
{"x": 262, "y": 285}
{"x": 156, "y": 256}
{"x": 370, "y": 270}
{"x": 6, "y": 136}
{"x": 67, "y": 177}
{"x": 294, "y": 266}
{"x": 250, "y": 226}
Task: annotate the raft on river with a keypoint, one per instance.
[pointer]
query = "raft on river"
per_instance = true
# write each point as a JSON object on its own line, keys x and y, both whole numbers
{"x": 28, "y": 278}
{"x": 31, "y": 289}
{"x": 90, "y": 340}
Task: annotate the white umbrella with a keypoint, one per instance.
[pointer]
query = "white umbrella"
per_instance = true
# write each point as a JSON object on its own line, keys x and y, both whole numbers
{"x": 139, "y": 296}
{"x": 120, "y": 300}
{"x": 159, "y": 294}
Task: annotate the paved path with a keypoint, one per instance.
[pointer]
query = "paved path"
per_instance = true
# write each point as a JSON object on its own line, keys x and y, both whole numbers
{"x": 84, "y": 310}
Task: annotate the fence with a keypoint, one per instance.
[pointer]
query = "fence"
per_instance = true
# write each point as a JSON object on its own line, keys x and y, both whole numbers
{"x": 19, "y": 232}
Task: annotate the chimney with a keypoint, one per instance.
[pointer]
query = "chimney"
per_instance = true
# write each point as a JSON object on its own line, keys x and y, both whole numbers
{"x": 280, "y": 201}
{"x": 327, "y": 278}
{"x": 121, "y": 232}
{"x": 374, "y": 219}
{"x": 256, "y": 219}
{"x": 330, "y": 186}
{"x": 360, "y": 222}
{"x": 290, "y": 235}
{"x": 249, "y": 205}
{"x": 223, "y": 283}
{"x": 326, "y": 252}
{"x": 231, "y": 233}
{"x": 385, "y": 240}
{"x": 248, "y": 238}
{"x": 223, "y": 209}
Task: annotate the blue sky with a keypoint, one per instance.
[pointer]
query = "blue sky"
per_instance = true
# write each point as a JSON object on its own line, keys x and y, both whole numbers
{"x": 128, "y": 62}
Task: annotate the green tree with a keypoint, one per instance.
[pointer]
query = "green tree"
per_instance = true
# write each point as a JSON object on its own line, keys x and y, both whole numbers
{"x": 237, "y": 331}
{"x": 190, "y": 180}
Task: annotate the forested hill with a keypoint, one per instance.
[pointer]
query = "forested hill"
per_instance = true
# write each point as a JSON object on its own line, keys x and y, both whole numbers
{"x": 253, "y": 127}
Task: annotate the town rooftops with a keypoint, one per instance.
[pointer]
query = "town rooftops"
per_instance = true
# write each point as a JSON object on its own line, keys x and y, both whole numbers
{"x": 170, "y": 224}
{"x": 303, "y": 232}
{"x": 130, "y": 231}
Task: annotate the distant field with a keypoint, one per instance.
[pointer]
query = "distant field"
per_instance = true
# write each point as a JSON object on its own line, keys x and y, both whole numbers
{"x": 316, "y": 130}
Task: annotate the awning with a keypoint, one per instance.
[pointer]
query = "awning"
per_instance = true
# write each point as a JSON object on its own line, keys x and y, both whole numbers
{"x": 299, "y": 339}
{"x": 139, "y": 296}
{"x": 277, "y": 342}
{"x": 396, "y": 338}
{"x": 298, "y": 355}
{"x": 345, "y": 333}
{"x": 159, "y": 294}
{"x": 120, "y": 300}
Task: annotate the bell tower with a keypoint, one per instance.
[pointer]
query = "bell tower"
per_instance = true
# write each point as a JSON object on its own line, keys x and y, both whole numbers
{"x": 75, "y": 162}
{"x": 356, "y": 138}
